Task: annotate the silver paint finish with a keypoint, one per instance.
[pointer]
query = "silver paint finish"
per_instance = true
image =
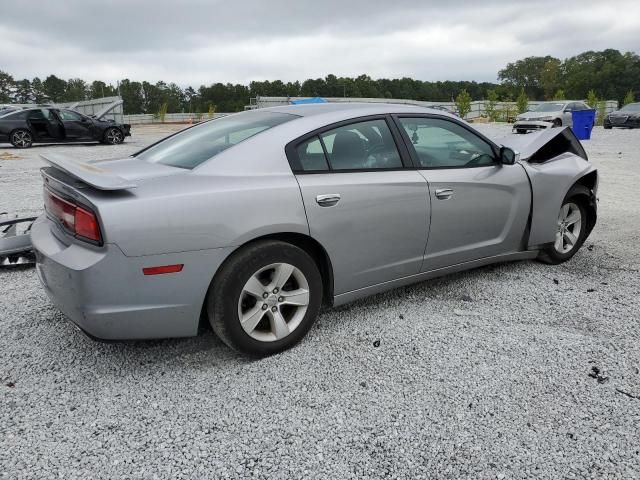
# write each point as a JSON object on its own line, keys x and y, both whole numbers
{"x": 550, "y": 182}
{"x": 484, "y": 214}
{"x": 380, "y": 229}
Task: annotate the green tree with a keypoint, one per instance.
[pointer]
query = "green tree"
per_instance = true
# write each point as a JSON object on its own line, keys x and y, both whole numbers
{"x": 522, "y": 102}
{"x": 99, "y": 89}
{"x": 601, "y": 112}
{"x": 162, "y": 112}
{"x": 132, "y": 96}
{"x": 6, "y": 86}
{"x": 54, "y": 88}
{"x": 23, "y": 91}
{"x": 550, "y": 77}
{"x": 37, "y": 91}
{"x": 559, "y": 95}
{"x": 490, "y": 105}
{"x": 76, "y": 90}
{"x": 528, "y": 73}
{"x": 628, "y": 98}
{"x": 592, "y": 99}
{"x": 463, "y": 103}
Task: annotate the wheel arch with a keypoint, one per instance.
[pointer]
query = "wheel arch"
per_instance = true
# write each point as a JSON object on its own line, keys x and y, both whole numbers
{"x": 305, "y": 242}
{"x": 585, "y": 189}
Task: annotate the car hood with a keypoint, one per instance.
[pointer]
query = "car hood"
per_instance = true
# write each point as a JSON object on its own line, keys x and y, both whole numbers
{"x": 536, "y": 115}
{"x": 624, "y": 114}
{"x": 115, "y": 174}
{"x": 528, "y": 145}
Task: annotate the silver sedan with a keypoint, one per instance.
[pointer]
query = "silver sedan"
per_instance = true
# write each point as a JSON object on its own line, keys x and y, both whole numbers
{"x": 254, "y": 220}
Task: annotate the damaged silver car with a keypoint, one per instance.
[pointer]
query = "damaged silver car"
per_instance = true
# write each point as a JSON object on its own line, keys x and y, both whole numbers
{"x": 254, "y": 220}
{"x": 549, "y": 115}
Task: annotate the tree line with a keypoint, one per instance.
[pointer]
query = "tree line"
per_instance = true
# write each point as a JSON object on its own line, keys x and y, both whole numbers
{"x": 610, "y": 74}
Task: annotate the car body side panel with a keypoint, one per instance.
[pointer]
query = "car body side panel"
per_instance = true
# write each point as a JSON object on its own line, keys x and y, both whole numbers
{"x": 550, "y": 182}
{"x": 197, "y": 212}
{"x": 378, "y": 230}
{"x": 108, "y": 296}
{"x": 485, "y": 216}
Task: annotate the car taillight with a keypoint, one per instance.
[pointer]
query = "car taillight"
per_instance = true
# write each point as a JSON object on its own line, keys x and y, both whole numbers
{"x": 81, "y": 222}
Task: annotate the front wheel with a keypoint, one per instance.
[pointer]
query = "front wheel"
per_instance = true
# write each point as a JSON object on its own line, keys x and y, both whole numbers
{"x": 21, "y": 138}
{"x": 571, "y": 232}
{"x": 113, "y": 136}
{"x": 557, "y": 123}
{"x": 265, "y": 298}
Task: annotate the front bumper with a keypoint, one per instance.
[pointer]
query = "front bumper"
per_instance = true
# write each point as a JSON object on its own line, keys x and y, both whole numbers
{"x": 531, "y": 125}
{"x": 107, "y": 296}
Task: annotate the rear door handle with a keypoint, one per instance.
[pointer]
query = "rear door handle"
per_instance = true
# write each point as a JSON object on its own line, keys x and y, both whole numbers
{"x": 328, "y": 200}
{"x": 444, "y": 193}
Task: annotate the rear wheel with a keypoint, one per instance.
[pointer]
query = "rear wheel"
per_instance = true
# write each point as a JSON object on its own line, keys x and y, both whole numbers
{"x": 571, "y": 231}
{"x": 21, "y": 138}
{"x": 113, "y": 136}
{"x": 265, "y": 298}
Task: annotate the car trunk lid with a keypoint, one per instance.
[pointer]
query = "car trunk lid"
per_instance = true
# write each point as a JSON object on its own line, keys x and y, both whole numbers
{"x": 118, "y": 174}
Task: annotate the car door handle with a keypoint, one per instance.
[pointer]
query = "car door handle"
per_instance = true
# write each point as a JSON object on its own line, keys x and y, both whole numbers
{"x": 444, "y": 193}
{"x": 328, "y": 200}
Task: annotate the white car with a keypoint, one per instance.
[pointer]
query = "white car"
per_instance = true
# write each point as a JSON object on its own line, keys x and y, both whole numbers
{"x": 548, "y": 115}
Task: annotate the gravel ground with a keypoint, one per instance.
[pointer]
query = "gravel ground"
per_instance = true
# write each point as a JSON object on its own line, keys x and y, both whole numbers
{"x": 511, "y": 371}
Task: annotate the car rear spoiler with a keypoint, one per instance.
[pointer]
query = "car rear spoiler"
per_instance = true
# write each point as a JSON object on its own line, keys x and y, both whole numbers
{"x": 544, "y": 145}
{"x": 89, "y": 173}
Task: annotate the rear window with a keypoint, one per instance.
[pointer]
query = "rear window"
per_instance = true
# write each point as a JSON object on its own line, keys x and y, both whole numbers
{"x": 193, "y": 146}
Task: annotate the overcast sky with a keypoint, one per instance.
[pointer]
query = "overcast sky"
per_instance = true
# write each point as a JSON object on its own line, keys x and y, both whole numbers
{"x": 204, "y": 41}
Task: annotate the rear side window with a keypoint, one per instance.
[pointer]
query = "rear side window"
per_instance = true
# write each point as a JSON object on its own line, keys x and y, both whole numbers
{"x": 367, "y": 145}
{"x": 311, "y": 155}
{"x": 191, "y": 147}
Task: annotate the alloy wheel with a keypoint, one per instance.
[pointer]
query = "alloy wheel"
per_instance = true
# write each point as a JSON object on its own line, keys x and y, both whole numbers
{"x": 21, "y": 139}
{"x": 114, "y": 136}
{"x": 273, "y": 302}
{"x": 569, "y": 228}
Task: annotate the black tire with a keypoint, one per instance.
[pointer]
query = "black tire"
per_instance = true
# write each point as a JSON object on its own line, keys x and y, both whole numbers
{"x": 607, "y": 126}
{"x": 577, "y": 196}
{"x": 521, "y": 131}
{"x": 226, "y": 292}
{"x": 113, "y": 136}
{"x": 557, "y": 123}
{"x": 21, "y": 138}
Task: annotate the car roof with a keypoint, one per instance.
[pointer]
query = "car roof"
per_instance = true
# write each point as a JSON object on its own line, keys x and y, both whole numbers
{"x": 350, "y": 109}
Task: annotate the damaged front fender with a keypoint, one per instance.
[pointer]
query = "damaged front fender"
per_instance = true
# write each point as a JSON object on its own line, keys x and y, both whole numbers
{"x": 555, "y": 161}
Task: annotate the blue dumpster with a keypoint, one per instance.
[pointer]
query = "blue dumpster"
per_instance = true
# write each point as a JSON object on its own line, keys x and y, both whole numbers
{"x": 583, "y": 121}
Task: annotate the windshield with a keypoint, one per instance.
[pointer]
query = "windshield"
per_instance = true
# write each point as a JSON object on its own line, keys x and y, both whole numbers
{"x": 632, "y": 107}
{"x": 548, "y": 107}
{"x": 195, "y": 145}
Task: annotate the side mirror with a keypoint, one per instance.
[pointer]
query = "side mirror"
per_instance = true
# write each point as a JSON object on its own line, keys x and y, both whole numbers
{"x": 508, "y": 156}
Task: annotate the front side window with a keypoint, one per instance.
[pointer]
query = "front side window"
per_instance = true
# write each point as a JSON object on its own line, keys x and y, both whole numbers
{"x": 69, "y": 115}
{"x": 445, "y": 144}
{"x": 193, "y": 146}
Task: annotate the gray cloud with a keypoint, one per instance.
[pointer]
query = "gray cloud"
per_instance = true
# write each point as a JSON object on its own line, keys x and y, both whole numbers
{"x": 195, "y": 42}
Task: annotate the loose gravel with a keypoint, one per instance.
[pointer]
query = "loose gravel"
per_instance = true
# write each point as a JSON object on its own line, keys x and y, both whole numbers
{"x": 516, "y": 370}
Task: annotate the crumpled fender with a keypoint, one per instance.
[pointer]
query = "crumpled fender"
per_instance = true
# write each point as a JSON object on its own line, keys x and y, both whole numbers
{"x": 554, "y": 161}
{"x": 550, "y": 183}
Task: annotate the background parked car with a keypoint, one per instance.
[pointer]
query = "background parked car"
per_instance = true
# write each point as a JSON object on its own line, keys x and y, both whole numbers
{"x": 23, "y": 128}
{"x": 549, "y": 114}
{"x": 627, "y": 117}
